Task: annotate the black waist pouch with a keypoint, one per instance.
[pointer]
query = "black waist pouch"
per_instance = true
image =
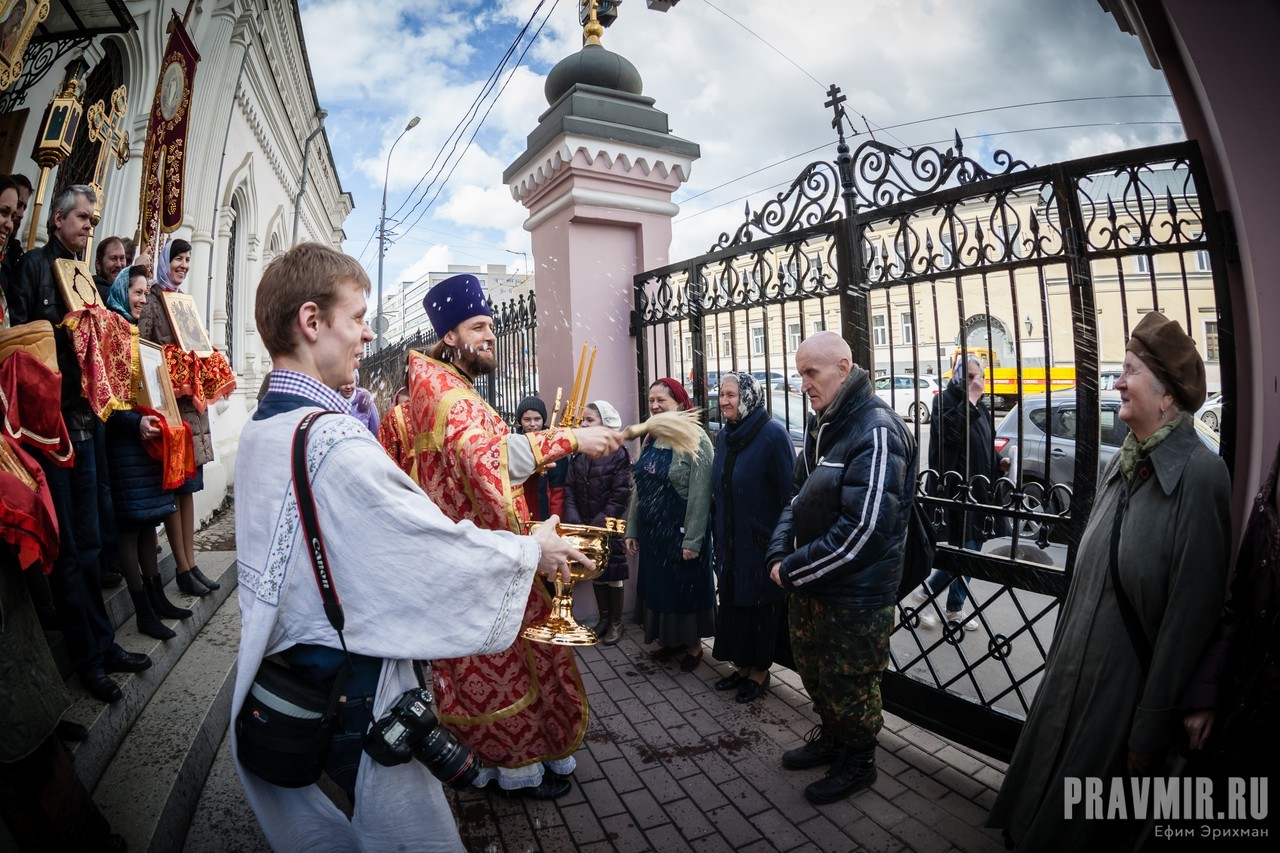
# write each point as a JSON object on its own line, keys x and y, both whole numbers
{"x": 284, "y": 729}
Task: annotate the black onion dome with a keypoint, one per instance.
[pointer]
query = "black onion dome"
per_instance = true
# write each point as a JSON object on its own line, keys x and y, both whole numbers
{"x": 594, "y": 66}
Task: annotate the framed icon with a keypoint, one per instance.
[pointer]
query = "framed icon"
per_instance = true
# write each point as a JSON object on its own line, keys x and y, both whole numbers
{"x": 75, "y": 281}
{"x": 155, "y": 388}
{"x": 18, "y": 21}
{"x": 184, "y": 318}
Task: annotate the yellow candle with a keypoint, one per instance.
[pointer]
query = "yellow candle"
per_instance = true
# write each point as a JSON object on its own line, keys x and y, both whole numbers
{"x": 577, "y": 381}
{"x": 582, "y": 405}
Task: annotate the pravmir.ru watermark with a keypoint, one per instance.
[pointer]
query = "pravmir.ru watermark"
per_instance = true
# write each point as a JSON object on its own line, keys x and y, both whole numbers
{"x": 1164, "y": 798}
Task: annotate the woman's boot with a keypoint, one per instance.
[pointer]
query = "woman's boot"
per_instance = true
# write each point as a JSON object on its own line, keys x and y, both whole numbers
{"x": 148, "y": 622}
{"x": 602, "y": 604}
{"x": 163, "y": 607}
{"x": 614, "y": 634}
{"x": 188, "y": 584}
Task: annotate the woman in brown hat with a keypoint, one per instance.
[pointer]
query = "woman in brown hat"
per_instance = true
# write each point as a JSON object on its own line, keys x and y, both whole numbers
{"x": 1146, "y": 593}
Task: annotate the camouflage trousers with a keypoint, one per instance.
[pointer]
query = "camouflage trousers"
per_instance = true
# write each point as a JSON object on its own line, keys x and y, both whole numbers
{"x": 841, "y": 654}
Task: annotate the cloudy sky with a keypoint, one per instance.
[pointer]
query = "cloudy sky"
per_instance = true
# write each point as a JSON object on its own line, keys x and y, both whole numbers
{"x": 745, "y": 79}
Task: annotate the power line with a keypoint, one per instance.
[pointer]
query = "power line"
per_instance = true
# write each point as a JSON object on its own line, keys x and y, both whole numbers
{"x": 766, "y": 43}
{"x": 788, "y": 58}
{"x": 459, "y": 129}
{"x": 480, "y": 124}
{"x": 932, "y": 119}
{"x": 919, "y": 145}
{"x": 1019, "y": 106}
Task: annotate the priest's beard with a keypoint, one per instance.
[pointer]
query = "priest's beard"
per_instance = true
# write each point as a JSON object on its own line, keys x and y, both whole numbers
{"x": 475, "y": 363}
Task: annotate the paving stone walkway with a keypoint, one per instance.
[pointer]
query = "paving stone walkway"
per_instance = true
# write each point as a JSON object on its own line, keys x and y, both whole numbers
{"x": 669, "y": 764}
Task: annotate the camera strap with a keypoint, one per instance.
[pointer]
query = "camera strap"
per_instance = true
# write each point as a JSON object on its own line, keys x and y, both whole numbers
{"x": 311, "y": 531}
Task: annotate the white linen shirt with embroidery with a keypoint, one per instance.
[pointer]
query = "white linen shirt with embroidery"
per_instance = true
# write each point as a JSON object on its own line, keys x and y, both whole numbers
{"x": 414, "y": 585}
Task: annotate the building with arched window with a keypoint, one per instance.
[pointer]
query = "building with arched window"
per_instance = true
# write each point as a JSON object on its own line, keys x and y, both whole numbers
{"x": 254, "y": 114}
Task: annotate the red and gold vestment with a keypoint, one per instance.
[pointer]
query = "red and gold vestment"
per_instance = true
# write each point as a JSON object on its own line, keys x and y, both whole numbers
{"x": 394, "y": 436}
{"x": 527, "y": 703}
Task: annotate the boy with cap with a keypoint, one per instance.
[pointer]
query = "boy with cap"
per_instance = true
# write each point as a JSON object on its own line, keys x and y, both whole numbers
{"x": 471, "y": 464}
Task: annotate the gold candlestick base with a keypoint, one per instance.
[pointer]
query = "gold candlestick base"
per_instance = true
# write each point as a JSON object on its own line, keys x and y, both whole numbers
{"x": 560, "y": 628}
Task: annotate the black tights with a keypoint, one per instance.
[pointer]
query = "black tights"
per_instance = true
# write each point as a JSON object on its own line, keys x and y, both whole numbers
{"x": 137, "y": 556}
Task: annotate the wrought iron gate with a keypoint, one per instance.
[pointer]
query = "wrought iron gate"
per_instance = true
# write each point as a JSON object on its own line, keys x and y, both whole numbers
{"x": 920, "y": 258}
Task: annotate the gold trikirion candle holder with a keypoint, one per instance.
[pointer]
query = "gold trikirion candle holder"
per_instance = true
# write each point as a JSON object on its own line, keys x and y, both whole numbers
{"x": 560, "y": 628}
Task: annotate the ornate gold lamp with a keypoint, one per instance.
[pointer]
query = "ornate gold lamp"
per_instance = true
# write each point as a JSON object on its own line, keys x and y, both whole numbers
{"x": 61, "y": 119}
{"x": 560, "y": 628}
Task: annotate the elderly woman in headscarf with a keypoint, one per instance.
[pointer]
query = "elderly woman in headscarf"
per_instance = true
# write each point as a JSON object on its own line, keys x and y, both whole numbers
{"x": 962, "y": 453}
{"x": 138, "y": 495}
{"x": 596, "y": 490}
{"x": 751, "y": 484}
{"x": 172, "y": 266}
{"x": 1145, "y": 596}
{"x": 667, "y": 530}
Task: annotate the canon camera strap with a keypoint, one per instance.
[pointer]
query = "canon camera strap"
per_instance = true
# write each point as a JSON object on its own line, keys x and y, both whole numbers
{"x": 311, "y": 527}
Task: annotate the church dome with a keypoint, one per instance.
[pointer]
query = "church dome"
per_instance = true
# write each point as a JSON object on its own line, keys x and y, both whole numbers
{"x": 593, "y": 66}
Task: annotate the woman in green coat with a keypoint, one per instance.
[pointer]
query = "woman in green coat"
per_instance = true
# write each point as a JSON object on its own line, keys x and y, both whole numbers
{"x": 1110, "y": 703}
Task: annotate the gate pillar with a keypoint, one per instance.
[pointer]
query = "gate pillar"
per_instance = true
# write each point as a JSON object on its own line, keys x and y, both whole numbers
{"x": 597, "y": 178}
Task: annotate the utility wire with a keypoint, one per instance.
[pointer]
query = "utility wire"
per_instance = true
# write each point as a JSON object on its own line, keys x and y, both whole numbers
{"x": 917, "y": 145}
{"x": 455, "y": 135}
{"x": 933, "y": 119}
{"x": 788, "y": 58}
{"x": 1020, "y": 106}
{"x": 480, "y": 124}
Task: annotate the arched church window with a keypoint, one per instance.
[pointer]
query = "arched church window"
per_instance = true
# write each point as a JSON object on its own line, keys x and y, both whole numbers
{"x": 105, "y": 78}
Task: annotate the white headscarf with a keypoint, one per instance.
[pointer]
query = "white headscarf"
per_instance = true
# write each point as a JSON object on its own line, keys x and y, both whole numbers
{"x": 608, "y": 414}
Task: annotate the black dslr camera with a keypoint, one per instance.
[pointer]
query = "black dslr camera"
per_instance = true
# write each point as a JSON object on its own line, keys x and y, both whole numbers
{"x": 410, "y": 730}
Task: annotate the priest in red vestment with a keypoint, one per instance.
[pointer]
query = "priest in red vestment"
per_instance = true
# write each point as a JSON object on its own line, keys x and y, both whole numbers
{"x": 523, "y": 711}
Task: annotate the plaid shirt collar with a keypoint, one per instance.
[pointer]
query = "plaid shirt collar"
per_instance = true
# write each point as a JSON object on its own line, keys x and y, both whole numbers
{"x": 302, "y": 385}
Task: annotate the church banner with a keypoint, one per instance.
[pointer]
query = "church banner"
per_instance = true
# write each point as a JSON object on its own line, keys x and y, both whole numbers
{"x": 164, "y": 157}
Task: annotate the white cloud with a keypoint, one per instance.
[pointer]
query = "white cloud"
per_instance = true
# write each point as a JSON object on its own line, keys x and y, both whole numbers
{"x": 898, "y": 61}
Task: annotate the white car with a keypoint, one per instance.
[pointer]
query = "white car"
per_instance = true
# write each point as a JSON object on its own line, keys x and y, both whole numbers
{"x": 1211, "y": 412}
{"x": 909, "y": 396}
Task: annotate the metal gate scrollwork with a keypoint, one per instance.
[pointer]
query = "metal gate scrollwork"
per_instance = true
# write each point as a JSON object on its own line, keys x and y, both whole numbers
{"x": 1039, "y": 272}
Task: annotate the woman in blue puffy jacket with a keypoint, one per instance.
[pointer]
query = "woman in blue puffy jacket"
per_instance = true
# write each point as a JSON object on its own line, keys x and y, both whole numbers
{"x": 137, "y": 485}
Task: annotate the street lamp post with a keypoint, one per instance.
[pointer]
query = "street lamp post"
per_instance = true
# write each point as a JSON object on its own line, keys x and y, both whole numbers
{"x": 379, "y": 322}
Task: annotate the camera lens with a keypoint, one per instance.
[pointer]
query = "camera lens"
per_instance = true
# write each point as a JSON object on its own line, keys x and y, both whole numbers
{"x": 448, "y": 759}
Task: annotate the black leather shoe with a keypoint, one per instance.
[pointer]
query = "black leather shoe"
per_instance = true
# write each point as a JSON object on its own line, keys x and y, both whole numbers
{"x": 102, "y": 688}
{"x": 111, "y": 580}
{"x": 191, "y": 585}
{"x": 731, "y": 681}
{"x": 820, "y": 749}
{"x": 75, "y": 732}
{"x": 552, "y": 786}
{"x": 128, "y": 662}
{"x": 752, "y": 689}
{"x": 199, "y": 575}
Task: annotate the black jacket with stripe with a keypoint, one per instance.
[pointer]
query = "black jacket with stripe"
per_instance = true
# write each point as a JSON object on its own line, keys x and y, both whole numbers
{"x": 842, "y": 537}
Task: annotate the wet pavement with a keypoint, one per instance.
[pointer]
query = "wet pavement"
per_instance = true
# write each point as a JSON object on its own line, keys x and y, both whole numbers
{"x": 670, "y": 764}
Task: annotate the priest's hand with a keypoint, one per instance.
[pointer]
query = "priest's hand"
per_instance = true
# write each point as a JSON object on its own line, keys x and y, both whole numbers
{"x": 557, "y": 553}
{"x": 597, "y": 441}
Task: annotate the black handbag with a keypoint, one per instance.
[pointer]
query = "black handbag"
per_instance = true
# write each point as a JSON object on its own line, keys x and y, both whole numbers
{"x": 286, "y": 725}
{"x": 918, "y": 551}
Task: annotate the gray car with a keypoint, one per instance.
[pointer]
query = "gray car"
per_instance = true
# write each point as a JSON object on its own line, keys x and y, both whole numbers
{"x": 1053, "y": 462}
